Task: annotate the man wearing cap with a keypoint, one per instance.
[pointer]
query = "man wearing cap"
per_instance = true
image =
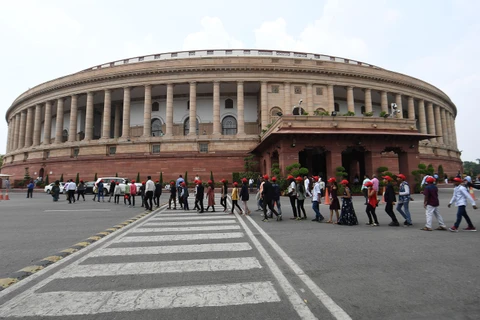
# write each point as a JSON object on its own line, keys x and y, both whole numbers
{"x": 267, "y": 195}
{"x": 276, "y": 195}
{"x": 223, "y": 198}
{"x": 184, "y": 195}
{"x": 365, "y": 188}
{"x": 460, "y": 197}
{"x": 113, "y": 184}
{"x": 316, "y": 195}
{"x": 292, "y": 195}
{"x": 404, "y": 199}
{"x": 149, "y": 190}
{"x": 211, "y": 196}
{"x": 199, "y": 196}
{"x": 173, "y": 196}
{"x": 431, "y": 204}
{"x": 306, "y": 183}
{"x": 158, "y": 193}
{"x": 390, "y": 200}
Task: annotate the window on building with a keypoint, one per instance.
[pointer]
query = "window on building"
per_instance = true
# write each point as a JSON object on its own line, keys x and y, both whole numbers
{"x": 337, "y": 107}
{"x": 319, "y": 91}
{"x": 362, "y": 110}
{"x": 405, "y": 114}
{"x": 157, "y": 128}
{"x": 112, "y": 150}
{"x": 155, "y": 106}
{"x": 229, "y": 104}
{"x": 275, "y": 113}
{"x": 229, "y": 125}
{"x": 65, "y": 135}
{"x": 297, "y": 89}
{"x": 25, "y": 156}
{"x": 203, "y": 147}
{"x": 155, "y": 148}
{"x": 75, "y": 152}
{"x": 275, "y": 89}
{"x": 46, "y": 154}
{"x": 186, "y": 126}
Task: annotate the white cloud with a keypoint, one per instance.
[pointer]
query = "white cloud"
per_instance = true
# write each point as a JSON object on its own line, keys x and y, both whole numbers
{"x": 213, "y": 35}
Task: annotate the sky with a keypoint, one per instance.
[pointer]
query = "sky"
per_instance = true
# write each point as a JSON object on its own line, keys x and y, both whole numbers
{"x": 435, "y": 41}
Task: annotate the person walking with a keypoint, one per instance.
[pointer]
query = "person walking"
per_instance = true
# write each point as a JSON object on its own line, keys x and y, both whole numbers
{"x": 245, "y": 196}
{"x": 81, "y": 190}
{"x": 117, "y": 191}
{"x": 30, "y": 188}
{"x": 141, "y": 193}
{"x": 334, "y": 203}
{"x": 149, "y": 190}
{"x": 127, "y": 195}
{"x": 292, "y": 195}
{"x": 276, "y": 195}
{"x": 157, "y": 193}
{"x": 301, "y": 195}
{"x": 235, "y": 197}
{"x": 316, "y": 200}
{"x": 431, "y": 204}
{"x": 55, "y": 191}
{"x": 404, "y": 199}
{"x": 199, "y": 196}
{"x": 179, "y": 186}
{"x": 223, "y": 198}
{"x": 267, "y": 195}
{"x": 460, "y": 197}
{"x": 113, "y": 184}
{"x": 71, "y": 191}
{"x": 371, "y": 205}
{"x": 250, "y": 183}
{"x": 347, "y": 215}
{"x": 101, "y": 190}
{"x": 173, "y": 196}
{"x": 210, "y": 195}
{"x": 365, "y": 188}
{"x": 306, "y": 183}
{"x": 133, "y": 192}
{"x": 390, "y": 200}
{"x": 184, "y": 196}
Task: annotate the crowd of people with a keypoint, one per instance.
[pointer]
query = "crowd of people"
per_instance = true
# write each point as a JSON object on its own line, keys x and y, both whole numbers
{"x": 341, "y": 208}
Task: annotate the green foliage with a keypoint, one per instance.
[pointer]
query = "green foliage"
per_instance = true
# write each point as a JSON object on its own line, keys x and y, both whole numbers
{"x": 77, "y": 179}
{"x": 116, "y": 174}
{"x": 381, "y": 170}
{"x": 295, "y": 169}
{"x": 340, "y": 172}
{"x": 211, "y": 177}
{"x": 47, "y": 181}
{"x": 95, "y": 179}
{"x": 61, "y": 178}
{"x": 471, "y": 168}
{"x": 368, "y": 114}
{"x": 321, "y": 113}
{"x": 383, "y": 114}
{"x": 138, "y": 177}
{"x": 349, "y": 114}
{"x": 161, "y": 178}
{"x": 235, "y": 176}
{"x": 275, "y": 170}
{"x": 186, "y": 178}
{"x": 249, "y": 163}
{"x": 430, "y": 169}
{"x": 26, "y": 176}
{"x": 305, "y": 113}
{"x": 440, "y": 171}
{"x": 418, "y": 175}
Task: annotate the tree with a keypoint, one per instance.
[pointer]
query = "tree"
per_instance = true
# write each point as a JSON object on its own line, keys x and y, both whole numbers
{"x": 186, "y": 178}
{"x": 95, "y": 179}
{"x": 1, "y": 160}
{"x": 211, "y": 177}
{"x": 275, "y": 170}
{"x": 26, "y": 176}
{"x": 61, "y": 178}
{"x": 116, "y": 174}
{"x": 250, "y": 163}
{"x": 77, "y": 179}
{"x": 161, "y": 178}
{"x": 295, "y": 169}
{"x": 471, "y": 168}
{"x": 340, "y": 173}
{"x": 138, "y": 177}
{"x": 47, "y": 181}
{"x": 440, "y": 171}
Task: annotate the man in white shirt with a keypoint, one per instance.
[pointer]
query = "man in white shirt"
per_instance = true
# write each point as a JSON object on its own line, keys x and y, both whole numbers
{"x": 364, "y": 188}
{"x": 70, "y": 188}
{"x": 149, "y": 189}
{"x": 460, "y": 197}
{"x": 322, "y": 186}
{"x": 316, "y": 200}
{"x": 306, "y": 183}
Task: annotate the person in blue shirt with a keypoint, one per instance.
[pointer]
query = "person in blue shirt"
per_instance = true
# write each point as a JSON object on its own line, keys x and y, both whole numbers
{"x": 460, "y": 197}
{"x": 30, "y": 188}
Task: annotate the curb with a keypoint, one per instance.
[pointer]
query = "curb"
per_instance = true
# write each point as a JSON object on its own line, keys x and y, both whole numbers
{"x": 45, "y": 262}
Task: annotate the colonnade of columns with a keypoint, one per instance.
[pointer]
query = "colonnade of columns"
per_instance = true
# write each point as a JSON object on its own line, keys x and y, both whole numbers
{"x": 24, "y": 128}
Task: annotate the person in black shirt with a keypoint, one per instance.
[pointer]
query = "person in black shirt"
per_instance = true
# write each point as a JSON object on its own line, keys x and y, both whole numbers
{"x": 157, "y": 193}
{"x": 267, "y": 195}
{"x": 199, "y": 196}
{"x": 390, "y": 200}
{"x": 173, "y": 196}
{"x": 223, "y": 199}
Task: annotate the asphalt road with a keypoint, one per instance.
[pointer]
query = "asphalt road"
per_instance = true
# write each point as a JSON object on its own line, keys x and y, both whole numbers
{"x": 275, "y": 270}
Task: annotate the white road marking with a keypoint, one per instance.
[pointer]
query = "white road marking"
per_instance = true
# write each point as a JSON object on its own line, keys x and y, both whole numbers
{"x": 79, "y": 210}
{"x": 189, "y": 248}
{"x": 186, "y": 229}
{"x": 186, "y": 223}
{"x": 67, "y": 303}
{"x": 157, "y": 267}
{"x": 328, "y": 302}
{"x": 182, "y": 237}
{"x": 193, "y": 214}
{"x": 177, "y": 217}
{"x": 297, "y": 302}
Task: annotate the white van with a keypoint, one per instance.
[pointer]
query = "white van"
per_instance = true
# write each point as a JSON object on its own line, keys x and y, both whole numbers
{"x": 108, "y": 180}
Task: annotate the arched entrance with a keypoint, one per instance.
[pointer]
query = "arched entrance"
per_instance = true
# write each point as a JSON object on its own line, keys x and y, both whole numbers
{"x": 41, "y": 173}
{"x": 353, "y": 160}
{"x": 315, "y": 160}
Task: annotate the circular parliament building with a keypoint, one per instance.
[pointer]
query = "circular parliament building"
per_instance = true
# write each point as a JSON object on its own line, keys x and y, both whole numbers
{"x": 206, "y": 110}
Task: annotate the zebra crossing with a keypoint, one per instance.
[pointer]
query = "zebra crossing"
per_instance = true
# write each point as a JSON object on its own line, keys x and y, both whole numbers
{"x": 174, "y": 261}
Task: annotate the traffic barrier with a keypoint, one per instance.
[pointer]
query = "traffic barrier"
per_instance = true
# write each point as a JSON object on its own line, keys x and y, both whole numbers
{"x": 6, "y": 196}
{"x": 1, "y": 195}
{"x": 327, "y": 197}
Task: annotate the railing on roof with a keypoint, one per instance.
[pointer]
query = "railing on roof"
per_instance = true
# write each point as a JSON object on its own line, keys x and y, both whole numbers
{"x": 229, "y": 53}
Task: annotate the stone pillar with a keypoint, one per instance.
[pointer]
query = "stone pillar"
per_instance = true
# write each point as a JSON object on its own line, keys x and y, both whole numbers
{"x": 438, "y": 125}
{"x": 126, "y": 113}
{"x": 118, "y": 120}
{"x": 107, "y": 114}
{"x": 241, "y": 109}
{"x": 421, "y": 116}
{"x": 448, "y": 118}
{"x": 398, "y": 101}
{"x": 16, "y": 138}
{"x": 216, "y": 108}
{"x": 411, "y": 108}
{"x": 287, "y": 109}
{"x": 10, "y": 135}
{"x": 431, "y": 121}
{"x": 59, "y": 126}
{"x": 333, "y": 159}
{"x": 169, "y": 126}
{"x": 47, "y": 125}
{"x": 384, "y": 101}
{"x": 147, "y": 109}
{"x": 331, "y": 98}
{"x": 310, "y": 98}
{"x": 29, "y": 129}
{"x": 89, "y": 114}
{"x": 192, "y": 131}
{"x": 446, "y": 134}
{"x": 264, "y": 105}
{"x": 23, "y": 125}
{"x": 350, "y": 100}
{"x": 454, "y": 134}
{"x": 37, "y": 130}
{"x": 368, "y": 100}
{"x": 407, "y": 162}
{"x": 72, "y": 132}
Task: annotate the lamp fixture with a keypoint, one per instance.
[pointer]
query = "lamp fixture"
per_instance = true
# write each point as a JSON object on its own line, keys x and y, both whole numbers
{"x": 334, "y": 113}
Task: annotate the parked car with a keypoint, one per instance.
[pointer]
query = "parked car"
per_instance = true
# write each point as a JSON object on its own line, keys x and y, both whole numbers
{"x": 107, "y": 180}
{"x": 476, "y": 184}
{"x": 49, "y": 187}
{"x": 89, "y": 187}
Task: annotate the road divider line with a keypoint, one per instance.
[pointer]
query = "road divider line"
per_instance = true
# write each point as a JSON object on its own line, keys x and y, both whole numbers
{"x": 185, "y": 229}
{"x": 174, "y": 217}
{"x": 181, "y": 237}
{"x": 68, "y": 303}
{"x": 187, "y": 223}
{"x": 328, "y": 302}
